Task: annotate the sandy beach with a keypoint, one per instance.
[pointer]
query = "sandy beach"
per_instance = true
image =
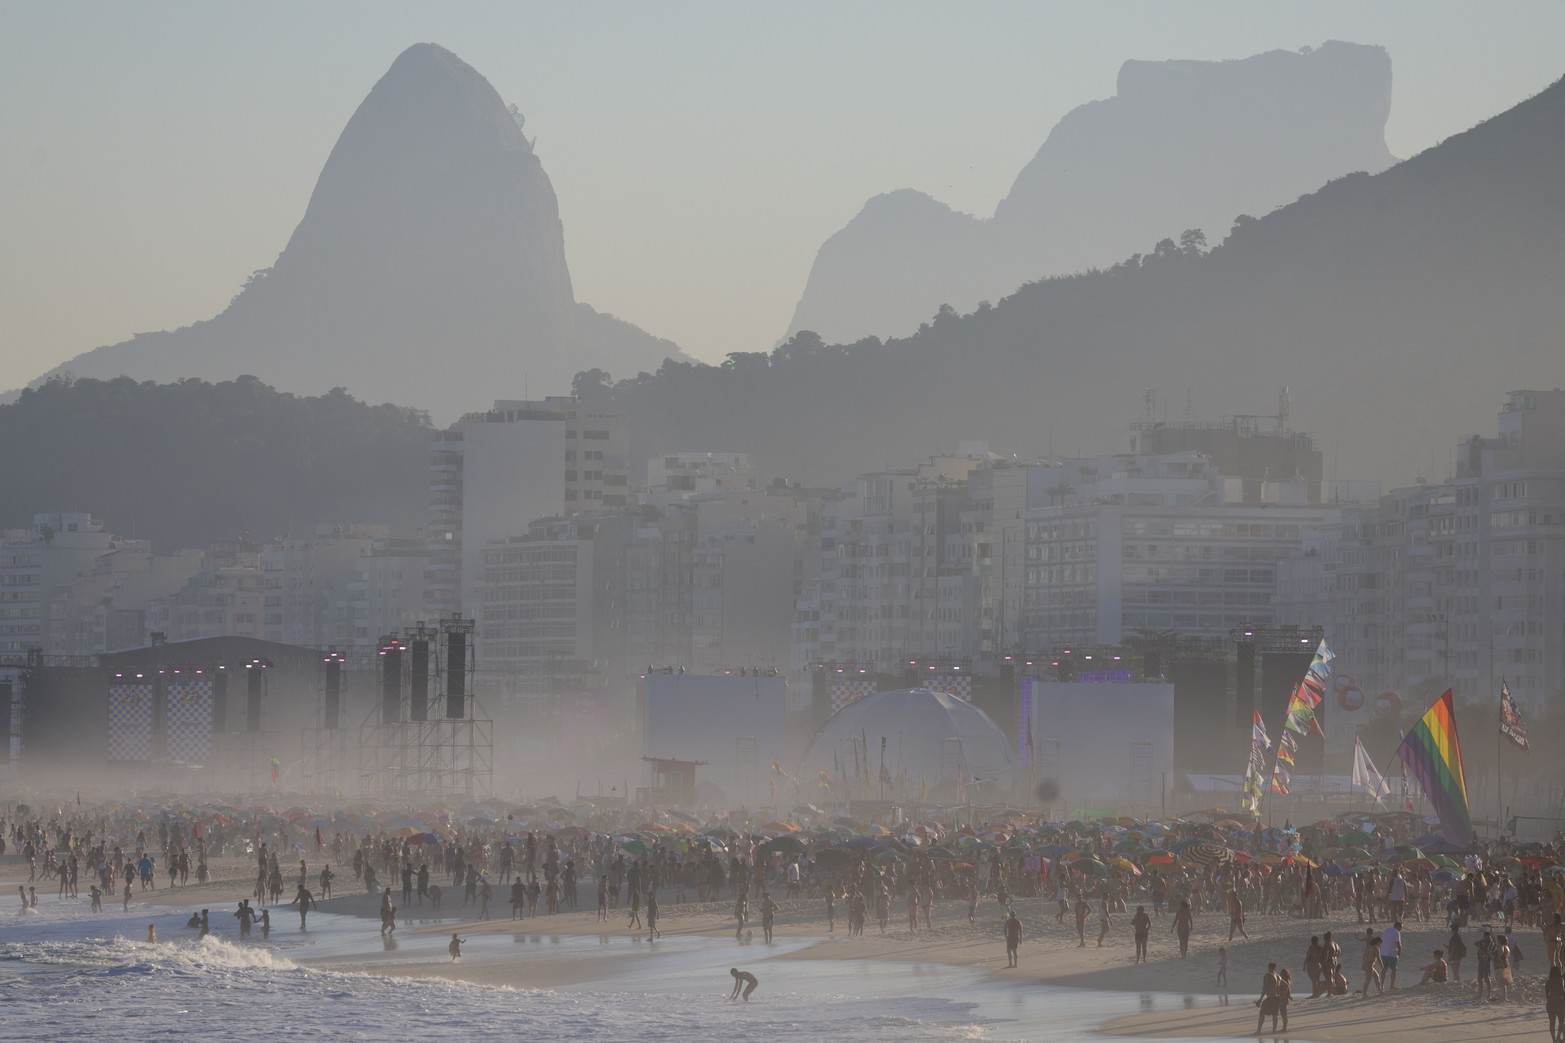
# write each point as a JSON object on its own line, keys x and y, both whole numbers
{"x": 1050, "y": 955}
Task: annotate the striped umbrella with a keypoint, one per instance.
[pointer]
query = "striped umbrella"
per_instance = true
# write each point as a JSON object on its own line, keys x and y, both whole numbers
{"x": 1204, "y": 853}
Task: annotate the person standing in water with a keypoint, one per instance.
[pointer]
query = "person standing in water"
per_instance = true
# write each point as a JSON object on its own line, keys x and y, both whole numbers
{"x": 652, "y": 916}
{"x": 303, "y": 900}
{"x": 455, "y": 948}
{"x": 1013, "y": 939}
{"x": 742, "y": 980}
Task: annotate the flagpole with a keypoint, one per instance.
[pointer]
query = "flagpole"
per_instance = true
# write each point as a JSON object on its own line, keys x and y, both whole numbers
{"x": 1499, "y": 782}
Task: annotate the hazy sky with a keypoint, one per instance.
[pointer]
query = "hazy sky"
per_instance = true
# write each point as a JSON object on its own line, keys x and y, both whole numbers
{"x": 152, "y": 154}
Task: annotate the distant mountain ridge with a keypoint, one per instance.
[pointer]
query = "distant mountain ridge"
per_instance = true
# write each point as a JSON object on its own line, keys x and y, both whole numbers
{"x": 1399, "y": 308}
{"x": 429, "y": 267}
{"x": 1182, "y": 144}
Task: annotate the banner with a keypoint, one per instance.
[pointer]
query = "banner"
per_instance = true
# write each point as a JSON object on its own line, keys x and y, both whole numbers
{"x": 1511, "y": 724}
{"x": 1254, "y": 775}
{"x": 1366, "y": 777}
{"x": 130, "y": 722}
{"x": 1432, "y": 751}
{"x": 1301, "y": 719}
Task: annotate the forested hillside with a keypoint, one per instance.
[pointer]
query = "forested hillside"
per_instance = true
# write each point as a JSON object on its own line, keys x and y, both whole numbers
{"x": 187, "y": 463}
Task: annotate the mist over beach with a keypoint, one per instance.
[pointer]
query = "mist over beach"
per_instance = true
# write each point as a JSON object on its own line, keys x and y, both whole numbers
{"x": 889, "y": 521}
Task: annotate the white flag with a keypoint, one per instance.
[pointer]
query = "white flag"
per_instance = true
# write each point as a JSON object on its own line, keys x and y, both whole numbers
{"x": 1365, "y": 776}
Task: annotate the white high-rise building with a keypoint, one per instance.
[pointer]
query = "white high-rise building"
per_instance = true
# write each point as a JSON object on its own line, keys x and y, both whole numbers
{"x": 1459, "y": 584}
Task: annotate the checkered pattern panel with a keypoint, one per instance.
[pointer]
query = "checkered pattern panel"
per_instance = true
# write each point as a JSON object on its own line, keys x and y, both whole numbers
{"x": 845, "y": 691}
{"x": 959, "y": 685}
{"x": 130, "y": 722}
{"x": 190, "y": 721}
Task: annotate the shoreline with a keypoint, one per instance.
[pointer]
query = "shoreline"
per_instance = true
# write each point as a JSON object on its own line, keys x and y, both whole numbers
{"x": 1050, "y": 956}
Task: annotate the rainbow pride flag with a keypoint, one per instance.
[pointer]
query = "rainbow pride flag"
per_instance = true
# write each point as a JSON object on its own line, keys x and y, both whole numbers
{"x": 1433, "y": 753}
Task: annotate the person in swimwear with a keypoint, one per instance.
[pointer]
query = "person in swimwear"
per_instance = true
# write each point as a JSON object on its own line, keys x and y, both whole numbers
{"x": 742, "y": 980}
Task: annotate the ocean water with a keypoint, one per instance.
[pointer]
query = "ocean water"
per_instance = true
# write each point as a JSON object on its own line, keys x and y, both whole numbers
{"x": 69, "y": 974}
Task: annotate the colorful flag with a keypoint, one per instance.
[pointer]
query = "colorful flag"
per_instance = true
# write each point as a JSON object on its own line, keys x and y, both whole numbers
{"x": 1300, "y": 719}
{"x": 1511, "y": 724}
{"x": 1432, "y": 751}
{"x": 1254, "y": 781}
{"x": 1366, "y": 778}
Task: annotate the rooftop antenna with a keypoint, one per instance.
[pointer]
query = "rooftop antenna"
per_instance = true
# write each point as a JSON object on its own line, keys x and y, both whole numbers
{"x": 1282, "y": 409}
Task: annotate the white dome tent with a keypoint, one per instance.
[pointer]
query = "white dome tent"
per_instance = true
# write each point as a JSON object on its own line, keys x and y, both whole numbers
{"x": 926, "y": 740}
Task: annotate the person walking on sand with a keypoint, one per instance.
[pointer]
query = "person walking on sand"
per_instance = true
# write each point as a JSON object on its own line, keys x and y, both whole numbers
{"x": 1455, "y": 952}
{"x": 1141, "y": 925}
{"x": 1485, "y": 965}
{"x": 1390, "y": 952}
{"x": 1271, "y": 985}
{"x": 1371, "y": 963}
{"x": 1184, "y": 920}
{"x": 768, "y": 915}
{"x": 1235, "y": 915}
{"x": 742, "y": 980}
{"x": 1284, "y": 996}
{"x": 652, "y": 917}
{"x": 1554, "y": 1003}
{"x": 1503, "y": 975}
{"x": 1013, "y": 939}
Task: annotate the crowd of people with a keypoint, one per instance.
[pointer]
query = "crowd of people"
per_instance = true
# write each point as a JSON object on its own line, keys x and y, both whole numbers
{"x": 1371, "y": 873}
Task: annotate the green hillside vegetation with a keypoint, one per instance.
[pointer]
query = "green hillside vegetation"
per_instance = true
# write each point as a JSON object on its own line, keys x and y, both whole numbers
{"x": 191, "y": 462}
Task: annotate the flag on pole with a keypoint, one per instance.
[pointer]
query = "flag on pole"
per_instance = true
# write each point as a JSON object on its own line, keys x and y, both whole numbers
{"x": 1366, "y": 778}
{"x": 1254, "y": 783}
{"x": 1511, "y": 724}
{"x": 1432, "y": 751}
{"x": 1301, "y": 719}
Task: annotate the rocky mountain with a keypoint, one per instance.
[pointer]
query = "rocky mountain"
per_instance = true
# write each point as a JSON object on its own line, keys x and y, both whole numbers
{"x": 1399, "y": 308}
{"x": 428, "y": 269}
{"x": 1182, "y": 144}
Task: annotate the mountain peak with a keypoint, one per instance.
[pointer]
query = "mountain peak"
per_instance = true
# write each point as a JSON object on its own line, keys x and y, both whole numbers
{"x": 433, "y": 237}
{"x": 1182, "y": 144}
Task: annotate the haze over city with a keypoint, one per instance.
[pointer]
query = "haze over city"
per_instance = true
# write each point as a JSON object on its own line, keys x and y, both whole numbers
{"x": 718, "y": 521}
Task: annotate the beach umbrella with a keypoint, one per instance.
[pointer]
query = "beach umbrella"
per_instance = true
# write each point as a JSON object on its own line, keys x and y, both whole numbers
{"x": 1162, "y": 858}
{"x": 1357, "y": 838}
{"x": 1445, "y": 876}
{"x": 787, "y": 844}
{"x": 1337, "y": 870}
{"x": 425, "y": 838}
{"x": 1445, "y": 861}
{"x": 1203, "y": 853}
{"x": 1409, "y": 854}
{"x": 1356, "y": 854}
{"x": 1056, "y": 850}
{"x": 834, "y": 858}
{"x": 636, "y": 846}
